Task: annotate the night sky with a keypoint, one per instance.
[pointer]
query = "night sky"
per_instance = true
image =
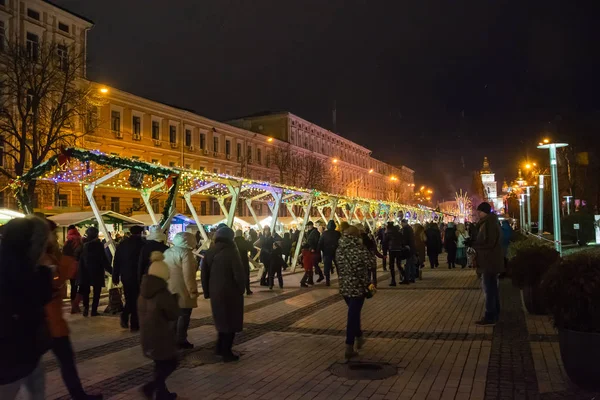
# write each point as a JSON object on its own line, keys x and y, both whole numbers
{"x": 434, "y": 85}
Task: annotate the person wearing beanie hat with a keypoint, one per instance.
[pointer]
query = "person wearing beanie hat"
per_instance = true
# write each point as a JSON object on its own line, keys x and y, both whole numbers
{"x": 92, "y": 264}
{"x": 224, "y": 282}
{"x": 125, "y": 269}
{"x": 244, "y": 248}
{"x": 158, "y": 309}
{"x": 489, "y": 260}
{"x": 155, "y": 241}
{"x": 182, "y": 268}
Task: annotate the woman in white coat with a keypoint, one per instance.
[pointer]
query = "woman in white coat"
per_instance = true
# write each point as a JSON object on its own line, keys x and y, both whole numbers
{"x": 182, "y": 281}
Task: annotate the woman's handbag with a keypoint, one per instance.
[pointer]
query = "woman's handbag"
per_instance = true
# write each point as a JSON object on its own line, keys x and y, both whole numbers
{"x": 370, "y": 291}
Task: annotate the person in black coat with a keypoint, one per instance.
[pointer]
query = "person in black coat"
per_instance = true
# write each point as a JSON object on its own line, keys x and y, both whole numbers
{"x": 434, "y": 244}
{"x": 92, "y": 264}
{"x": 25, "y": 287}
{"x": 155, "y": 241}
{"x": 394, "y": 243}
{"x": 410, "y": 268}
{"x": 276, "y": 265}
{"x": 125, "y": 269}
{"x": 244, "y": 247}
{"x": 328, "y": 243}
{"x": 389, "y": 229}
{"x": 371, "y": 245}
{"x": 450, "y": 244}
{"x": 223, "y": 282}
{"x": 286, "y": 248}
{"x": 265, "y": 242}
{"x": 312, "y": 239}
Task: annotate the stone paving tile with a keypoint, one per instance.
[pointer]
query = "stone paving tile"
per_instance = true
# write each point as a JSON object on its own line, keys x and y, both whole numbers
{"x": 288, "y": 366}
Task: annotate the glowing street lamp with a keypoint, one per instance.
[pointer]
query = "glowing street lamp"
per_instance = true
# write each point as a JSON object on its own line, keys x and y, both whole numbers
{"x": 103, "y": 90}
{"x": 335, "y": 160}
{"x": 371, "y": 171}
{"x": 270, "y": 139}
{"x": 555, "y": 200}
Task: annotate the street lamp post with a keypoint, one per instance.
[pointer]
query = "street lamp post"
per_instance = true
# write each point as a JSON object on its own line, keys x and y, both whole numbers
{"x": 555, "y": 200}
{"x": 541, "y": 207}
{"x": 528, "y": 208}
{"x": 522, "y": 212}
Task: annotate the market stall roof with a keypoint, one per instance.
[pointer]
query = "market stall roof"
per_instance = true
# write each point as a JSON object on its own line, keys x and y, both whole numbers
{"x": 78, "y": 218}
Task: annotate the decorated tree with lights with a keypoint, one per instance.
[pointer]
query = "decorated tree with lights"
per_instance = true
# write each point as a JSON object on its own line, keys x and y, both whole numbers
{"x": 45, "y": 104}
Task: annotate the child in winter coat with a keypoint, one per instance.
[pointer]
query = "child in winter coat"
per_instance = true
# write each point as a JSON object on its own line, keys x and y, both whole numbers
{"x": 158, "y": 310}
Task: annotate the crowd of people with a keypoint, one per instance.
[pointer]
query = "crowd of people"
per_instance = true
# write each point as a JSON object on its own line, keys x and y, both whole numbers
{"x": 161, "y": 291}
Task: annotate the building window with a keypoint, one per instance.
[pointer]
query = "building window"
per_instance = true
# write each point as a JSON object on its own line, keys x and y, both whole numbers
{"x": 188, "y": 137}
{"x": 228, "y": 147}
{"x": 155, "y": 161}
{"x": 115, "y": 121}
{"x": 155, "y": 130}
{"x": 216, "y": 144}
{"x": 188, "y": 166}
{"x": 239, "y": 151}
{"x": 171, "y": 163}
{"x": 115, "y": 204}
{"x": 137, "y": 126}
{"x": 249, "y": 153}
{"x": 63, "y": 200}
{"x": 33, "y": 14}
{"x": 203, "y": 141}
{"x": 137, "y": 203}
{"x": 258, "y": 156}
{"x": 203, "y": 207}
{"x": 216, "y": 170}
{"x": 33, "y": 46}
{"x": 268, "y": 159}
{"x": 63, "y": 57}
{"x": 172, "y": 134}
{"x": 63, "y": 27}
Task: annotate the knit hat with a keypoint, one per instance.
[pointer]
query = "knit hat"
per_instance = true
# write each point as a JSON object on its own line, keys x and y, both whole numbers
{"x": 155, "y": 233}
{"x": 92, "y": 233}
{"x": 158, "y": 266}
{"x": 485, "y": 207}
{"x": 136, "y": 230}
{"x": 224, "y": 233}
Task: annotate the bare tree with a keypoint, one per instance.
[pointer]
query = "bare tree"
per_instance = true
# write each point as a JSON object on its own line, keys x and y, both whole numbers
{"x": 282, "y": 159}
{"x": 314, "y": 173}
{"x": 45, "y": 104}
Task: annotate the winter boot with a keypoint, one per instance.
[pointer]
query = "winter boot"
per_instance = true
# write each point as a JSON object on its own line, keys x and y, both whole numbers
{"x": 350, "y": 353}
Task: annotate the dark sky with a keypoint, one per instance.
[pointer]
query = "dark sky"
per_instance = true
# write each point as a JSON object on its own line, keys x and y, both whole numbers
{"x": 434, "y": 85}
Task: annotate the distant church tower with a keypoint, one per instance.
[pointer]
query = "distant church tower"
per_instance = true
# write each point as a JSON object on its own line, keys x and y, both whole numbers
{"x": 490, "y": 187}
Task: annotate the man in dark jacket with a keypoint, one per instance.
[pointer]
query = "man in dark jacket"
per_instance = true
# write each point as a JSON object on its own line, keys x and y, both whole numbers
{"x": 410, "y": 268}
{"x": 395, "y": 244}
{"x": 92, "y": 264}
{"x": 434, "y": 244}
{"x": 125, "y": 269}
{"x": 328, "y": 243}
{"x": 312, "y": 239}
{"x": 389, "y": 229}
{"x": 490, "y": 261}
{"x": 155, "y": 241}
{"x": 244, "y": 247}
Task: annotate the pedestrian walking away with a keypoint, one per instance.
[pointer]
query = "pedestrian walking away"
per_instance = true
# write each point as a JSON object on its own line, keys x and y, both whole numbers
{"x": 450, "y": 244}
{"x": 395, "y": 245}
{"x": 224, "y": 282}
{"x": 276, "y": 267}
{"x": 434, "y": 244}
{"x": 354, "y": 261}
{"x": 328, "y": 243}
{"x": 72, "y": 248}
{"x": 489, "y": 261}
{"x": 410, "y": 267}
{"x": 25, "y": 288}
{"x": 126, "y": 270}
{"x": 312, "y": 238}
{"x": 244, "y": 247}
{"x": 462, "y": 236}
{"x": 182, "y": 281}
{"x": 420, "y": 240}
{"x": 93, "y": 263}
{"x": 158, "y": 310}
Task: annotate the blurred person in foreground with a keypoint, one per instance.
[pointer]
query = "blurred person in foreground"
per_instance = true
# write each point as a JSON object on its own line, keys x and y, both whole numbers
{"x": 158, "y": 311}
{"x": 224, "y": 282}
{"x": 25, "y": 288}
{"x": 354, "y": 262}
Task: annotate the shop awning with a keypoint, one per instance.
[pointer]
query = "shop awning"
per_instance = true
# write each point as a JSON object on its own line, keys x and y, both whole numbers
{"x": 87, "y": 217}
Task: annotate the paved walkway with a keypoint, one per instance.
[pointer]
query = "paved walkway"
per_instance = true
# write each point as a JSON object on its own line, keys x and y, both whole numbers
{"x": 294, "y": 336}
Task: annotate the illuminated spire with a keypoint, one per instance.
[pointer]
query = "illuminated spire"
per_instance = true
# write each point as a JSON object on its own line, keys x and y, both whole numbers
{"x": 486, "y": 166}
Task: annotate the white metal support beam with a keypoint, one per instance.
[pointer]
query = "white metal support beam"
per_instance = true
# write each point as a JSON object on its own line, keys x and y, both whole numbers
{"x": 167, "y": 224}
{"x": 188, "y": 200}
{"x": 290, "y": 209}
{"x": 89, "y": 191}
{"x": 277, "y": 195}
{"x": 320, "y": 209}
{"x": 302, "y": 229}
{"x": 234, "y": 192}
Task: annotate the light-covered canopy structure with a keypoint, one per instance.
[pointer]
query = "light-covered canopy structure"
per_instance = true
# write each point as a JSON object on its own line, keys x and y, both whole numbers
{"x": 93, "y": 169}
